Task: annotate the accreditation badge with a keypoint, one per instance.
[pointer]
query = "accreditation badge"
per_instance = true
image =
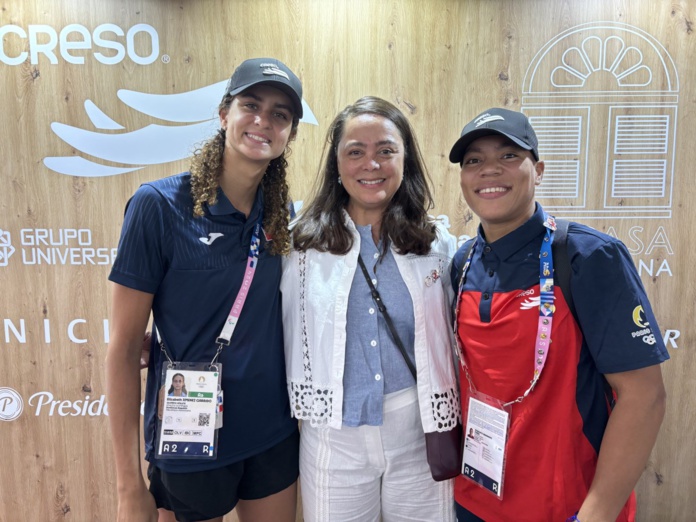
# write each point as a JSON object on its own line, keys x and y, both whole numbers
{"x": 485, "y": 436}
{"x": 190, "y": 401}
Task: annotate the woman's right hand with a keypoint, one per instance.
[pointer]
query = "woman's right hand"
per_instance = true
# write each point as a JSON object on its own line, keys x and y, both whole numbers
{"x": 138, "y": 506}
{"x": 145, "y": 350}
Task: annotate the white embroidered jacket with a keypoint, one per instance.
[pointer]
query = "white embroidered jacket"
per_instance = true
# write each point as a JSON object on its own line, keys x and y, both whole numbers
{"x": 315, "y": 287}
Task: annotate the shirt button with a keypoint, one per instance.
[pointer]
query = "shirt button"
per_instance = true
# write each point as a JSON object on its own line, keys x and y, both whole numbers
{"x": 373, "y": 343}
{"x": 486, "y": 296}
{"x": 372, "y": 311}
{"x": 486, "y": 250}
{"x": 376, "y": 256}
{"x": 490, "y": 272}
{"x": 378, "y": 377}
{"x": 374, "y": 282}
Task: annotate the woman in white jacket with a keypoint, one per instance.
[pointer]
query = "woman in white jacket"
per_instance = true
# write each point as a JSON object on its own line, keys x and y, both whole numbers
{"x": 362, "y": 451}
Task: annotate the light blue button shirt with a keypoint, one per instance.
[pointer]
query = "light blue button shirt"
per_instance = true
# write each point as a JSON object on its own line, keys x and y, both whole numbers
{"x": 374, "y": 365}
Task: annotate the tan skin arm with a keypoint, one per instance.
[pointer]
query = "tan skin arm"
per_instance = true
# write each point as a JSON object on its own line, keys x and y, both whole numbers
{"x": 130, "y": 312}
{"x": 627, "y": 443}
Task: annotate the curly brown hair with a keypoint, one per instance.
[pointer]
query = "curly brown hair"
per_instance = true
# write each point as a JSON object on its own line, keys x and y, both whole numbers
{"x": 206, "y": 168}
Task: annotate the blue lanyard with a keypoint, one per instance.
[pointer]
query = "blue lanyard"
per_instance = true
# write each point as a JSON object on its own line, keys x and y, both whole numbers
{"x": 546, "y": 306}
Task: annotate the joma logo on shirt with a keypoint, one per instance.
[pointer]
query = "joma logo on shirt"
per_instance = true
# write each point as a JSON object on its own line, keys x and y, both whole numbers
{"x": 211, "y": 237}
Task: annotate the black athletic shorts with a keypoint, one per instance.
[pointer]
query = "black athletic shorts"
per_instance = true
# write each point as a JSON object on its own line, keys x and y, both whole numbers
{"x": 203, "y": 495}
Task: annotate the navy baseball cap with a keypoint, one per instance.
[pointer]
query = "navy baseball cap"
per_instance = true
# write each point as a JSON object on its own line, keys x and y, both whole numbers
{"x": 512, "y": 124}
{"x": 267, "y": 71}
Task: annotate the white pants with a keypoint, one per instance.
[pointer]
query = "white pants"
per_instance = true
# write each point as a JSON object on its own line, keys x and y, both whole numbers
{"x": 360, "y": 474}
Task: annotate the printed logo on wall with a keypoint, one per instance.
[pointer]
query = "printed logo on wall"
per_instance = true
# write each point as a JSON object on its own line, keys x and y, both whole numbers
{"x": 11, "y": 404}
{"x": 41, "y": 39}
{"x": 6, "y": 248}
{"x": 45, "y": 403}
{"x": 189, "y": 114}
{"x": 604, "y": 79}
{"x": 62, "y": 246}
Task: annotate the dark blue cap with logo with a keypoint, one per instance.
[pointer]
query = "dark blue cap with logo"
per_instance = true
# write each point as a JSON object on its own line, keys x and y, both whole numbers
{"x": 267, "y": 71}
{"x": 512, "y": 124}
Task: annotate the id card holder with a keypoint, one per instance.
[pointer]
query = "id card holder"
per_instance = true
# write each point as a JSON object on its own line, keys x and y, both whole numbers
{"x": 485, "y": 438}
{"x": 187, "y": 426}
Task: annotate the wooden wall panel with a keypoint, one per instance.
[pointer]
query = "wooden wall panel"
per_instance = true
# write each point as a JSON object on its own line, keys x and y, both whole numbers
{"x": 441, "y": 61}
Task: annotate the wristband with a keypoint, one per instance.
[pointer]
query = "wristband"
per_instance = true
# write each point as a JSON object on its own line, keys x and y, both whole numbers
{"x": 574, "y": 518}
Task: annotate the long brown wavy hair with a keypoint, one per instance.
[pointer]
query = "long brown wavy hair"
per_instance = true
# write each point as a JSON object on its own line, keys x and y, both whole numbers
{"x": 206, "y": 169}
{"x": 405, "y": 222}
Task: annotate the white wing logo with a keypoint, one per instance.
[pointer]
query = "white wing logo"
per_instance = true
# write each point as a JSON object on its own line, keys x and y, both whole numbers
{"x": 531, "y": 302}
{"x": 191, "y": 123}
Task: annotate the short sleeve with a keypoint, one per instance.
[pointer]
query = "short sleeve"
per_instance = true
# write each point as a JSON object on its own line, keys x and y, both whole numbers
{"x": 140, "y": 260}
{"x": 615, "y": 315}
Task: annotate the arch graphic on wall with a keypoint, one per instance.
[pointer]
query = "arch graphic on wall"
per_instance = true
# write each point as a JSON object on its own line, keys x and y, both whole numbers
{"x": 603, "y": 99}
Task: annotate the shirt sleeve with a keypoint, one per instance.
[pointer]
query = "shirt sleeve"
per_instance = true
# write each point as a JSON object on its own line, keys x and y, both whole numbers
{"x": 615, "y": 315}
{"x": 140, "y": 260}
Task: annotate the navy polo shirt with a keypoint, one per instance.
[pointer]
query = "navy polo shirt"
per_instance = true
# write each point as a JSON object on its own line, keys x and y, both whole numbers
{"x": 194, "y": 267}
{"x": 556, "y": 431}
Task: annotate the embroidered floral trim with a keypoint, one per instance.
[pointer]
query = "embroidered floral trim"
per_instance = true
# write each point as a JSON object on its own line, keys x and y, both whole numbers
{"x": 446, "y": 410}
{"x": 310, "y": 403}
{"x": 306, "y": 361}
{"x": 306, "y": 401}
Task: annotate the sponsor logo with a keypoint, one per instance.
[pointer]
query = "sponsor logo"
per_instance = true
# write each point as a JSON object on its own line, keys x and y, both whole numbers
{"x": 43, "y": 39}
{"x": 62, "y": 246}
{"x": 192, "y": 119}
{"x": 6, "y": 248}
{"x": 271, "y": 69}
{"x": 641, "y": 322}
{"x": 487, "y": 118}
{"x": 526, "y": 293}
{"x": 44, "y": 402}
{"x": 211, "y": 237}
{"x": 11, "y": 404}
{"x": 546, "y": 269}
{"x": 528, "y": 304}
{"x": 639, "y": 317}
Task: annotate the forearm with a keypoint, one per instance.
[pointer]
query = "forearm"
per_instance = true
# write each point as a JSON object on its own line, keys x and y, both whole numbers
{"x": 130, "y": 314}
{"x": 123, "y": 392}
{"x": 628, "y": 440}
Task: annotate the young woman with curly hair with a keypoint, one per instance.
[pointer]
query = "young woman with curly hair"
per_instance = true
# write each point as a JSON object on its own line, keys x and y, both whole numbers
{"x": 191, "y": 246}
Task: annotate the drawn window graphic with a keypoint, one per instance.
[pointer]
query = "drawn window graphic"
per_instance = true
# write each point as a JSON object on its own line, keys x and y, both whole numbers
{"x": 603, "y": 99}
{"x": 562, "y": 147}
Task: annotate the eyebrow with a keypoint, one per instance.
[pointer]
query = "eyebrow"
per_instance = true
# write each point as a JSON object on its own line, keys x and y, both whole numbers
{"x": 260, "y": 99}
{"x": 356, "y": 143}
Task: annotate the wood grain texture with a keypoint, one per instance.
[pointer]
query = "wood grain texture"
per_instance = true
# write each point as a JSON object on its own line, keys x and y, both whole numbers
{"x": 441, "y": 61}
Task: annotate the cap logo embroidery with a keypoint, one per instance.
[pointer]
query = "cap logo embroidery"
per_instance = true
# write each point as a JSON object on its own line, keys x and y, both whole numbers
{"x": 270, "y": 69}
{"x": 486, "y": 118}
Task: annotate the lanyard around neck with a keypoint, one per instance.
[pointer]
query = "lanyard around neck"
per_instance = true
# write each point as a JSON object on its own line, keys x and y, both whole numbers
{"x": 233, "y": 317}
{"x": 546, "y": 307}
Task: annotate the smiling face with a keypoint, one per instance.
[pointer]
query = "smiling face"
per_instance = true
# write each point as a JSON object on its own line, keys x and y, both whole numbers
{"x": 258, "y": 124}
{"x": 498, "y": 179}
{"x": 370, "y": 158}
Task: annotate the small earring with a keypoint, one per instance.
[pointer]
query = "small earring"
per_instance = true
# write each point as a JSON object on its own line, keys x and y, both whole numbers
{"x": 340, "y": 182}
